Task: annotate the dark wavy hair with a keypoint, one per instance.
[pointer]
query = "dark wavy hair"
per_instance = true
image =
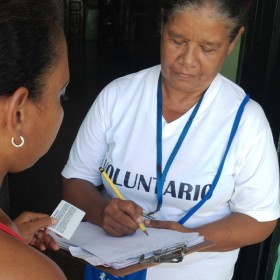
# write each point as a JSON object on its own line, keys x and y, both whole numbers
{"x": 31, "y": 36}
{"x": 233, "y": 11}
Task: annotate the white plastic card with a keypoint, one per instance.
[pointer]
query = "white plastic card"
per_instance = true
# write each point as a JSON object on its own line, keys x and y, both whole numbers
{"x": 69, "y": 217}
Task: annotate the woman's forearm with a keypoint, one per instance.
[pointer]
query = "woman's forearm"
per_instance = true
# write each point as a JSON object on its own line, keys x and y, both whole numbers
{"x": 232, "y": 232}
{"x": 235, "y": 231}
{"x": 85, "y": 196}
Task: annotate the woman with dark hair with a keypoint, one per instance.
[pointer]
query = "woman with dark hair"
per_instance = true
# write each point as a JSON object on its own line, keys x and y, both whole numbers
{"x": 33, "y": 76}
{"x": 184, "y": 143}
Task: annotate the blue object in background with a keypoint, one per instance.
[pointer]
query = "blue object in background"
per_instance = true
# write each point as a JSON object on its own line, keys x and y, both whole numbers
{"x": 92, "y": 273}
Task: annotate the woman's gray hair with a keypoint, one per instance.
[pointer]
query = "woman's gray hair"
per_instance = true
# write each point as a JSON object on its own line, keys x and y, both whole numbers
{"x": 232, "y": 12}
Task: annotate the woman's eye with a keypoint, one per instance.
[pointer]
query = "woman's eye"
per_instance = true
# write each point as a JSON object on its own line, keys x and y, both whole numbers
{"x": 179, "y": 43}
{"x": 207, "y": 50}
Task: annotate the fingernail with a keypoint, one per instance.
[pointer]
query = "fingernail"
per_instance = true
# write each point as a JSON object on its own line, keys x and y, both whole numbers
{"x": 54, "y": 221}
{"x": 147, "y": 222}
{"x": 139, "y": 220}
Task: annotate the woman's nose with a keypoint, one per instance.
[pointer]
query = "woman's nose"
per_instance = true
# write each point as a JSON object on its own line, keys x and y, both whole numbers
{"x": 189, "y": 55}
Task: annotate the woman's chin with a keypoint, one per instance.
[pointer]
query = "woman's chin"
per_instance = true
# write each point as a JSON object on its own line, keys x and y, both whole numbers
{"x": 16, "y": 169}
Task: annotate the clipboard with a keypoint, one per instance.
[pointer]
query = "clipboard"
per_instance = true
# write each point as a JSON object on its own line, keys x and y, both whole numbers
{"x": 175, "y": 252}
{"x": 172, "y": 255}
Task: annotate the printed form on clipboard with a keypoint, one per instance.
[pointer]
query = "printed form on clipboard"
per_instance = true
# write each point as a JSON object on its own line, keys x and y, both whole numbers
{"x": 92, "y": 244}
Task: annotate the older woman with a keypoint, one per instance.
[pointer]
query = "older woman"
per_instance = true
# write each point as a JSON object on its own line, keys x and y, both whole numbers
{"x": 184, "y": 142}
{"x": 33, "y": 76}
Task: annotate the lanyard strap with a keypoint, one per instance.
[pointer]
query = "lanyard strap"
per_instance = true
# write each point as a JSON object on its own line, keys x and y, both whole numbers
{"x": 217, "y": 176}
{"x": 161, "y": 175}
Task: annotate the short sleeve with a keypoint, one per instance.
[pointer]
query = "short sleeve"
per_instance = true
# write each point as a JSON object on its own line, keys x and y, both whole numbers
{"x": 89, "y": 148}
{"x": 257, "y": 180}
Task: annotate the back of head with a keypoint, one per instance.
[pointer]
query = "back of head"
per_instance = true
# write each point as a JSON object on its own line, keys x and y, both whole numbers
{"x": 232, "y": 12}
{"x": 31, "y": 33}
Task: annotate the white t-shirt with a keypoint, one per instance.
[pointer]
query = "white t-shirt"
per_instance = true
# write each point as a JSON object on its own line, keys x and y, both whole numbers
{"x": 119, "y": 133}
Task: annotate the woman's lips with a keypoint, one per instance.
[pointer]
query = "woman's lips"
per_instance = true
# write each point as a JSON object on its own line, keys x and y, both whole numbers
{"x": 186, "y": 76}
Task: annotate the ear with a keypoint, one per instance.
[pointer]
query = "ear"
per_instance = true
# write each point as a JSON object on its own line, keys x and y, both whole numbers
{"x": 15, "y": 111}
{"x": 232, "y": 44}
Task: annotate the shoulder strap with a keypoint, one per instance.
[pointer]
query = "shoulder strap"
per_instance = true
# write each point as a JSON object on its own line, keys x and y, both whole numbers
{"x": 11, "y": 232}
{"x": 218, "y": 174}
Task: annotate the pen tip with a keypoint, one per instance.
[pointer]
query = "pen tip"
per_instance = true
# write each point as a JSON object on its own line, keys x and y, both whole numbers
{"x": 146, "y": 232}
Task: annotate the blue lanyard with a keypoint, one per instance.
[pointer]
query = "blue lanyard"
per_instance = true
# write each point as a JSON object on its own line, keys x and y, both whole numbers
{"x": 161, "y": 175}
{"x": 219, "y": 171}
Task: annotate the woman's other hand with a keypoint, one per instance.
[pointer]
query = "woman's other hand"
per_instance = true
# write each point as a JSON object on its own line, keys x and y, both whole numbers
{"x": 33, "y": 229}
{"x": 166, "y": 225}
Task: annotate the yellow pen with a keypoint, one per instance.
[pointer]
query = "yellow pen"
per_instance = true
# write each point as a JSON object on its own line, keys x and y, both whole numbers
{"x": 117, "y": 192}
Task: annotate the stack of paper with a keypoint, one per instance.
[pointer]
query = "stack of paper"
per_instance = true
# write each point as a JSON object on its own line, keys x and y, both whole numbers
{"x": 92, "y": 244}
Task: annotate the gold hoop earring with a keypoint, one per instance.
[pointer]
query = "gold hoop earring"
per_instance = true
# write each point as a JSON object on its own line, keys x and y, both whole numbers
{"x": 17, "y": 145}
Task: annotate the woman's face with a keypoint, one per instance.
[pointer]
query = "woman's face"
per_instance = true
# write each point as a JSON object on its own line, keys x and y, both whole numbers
{"x": 45, "y": 116}
{"x": 194, "y": 47}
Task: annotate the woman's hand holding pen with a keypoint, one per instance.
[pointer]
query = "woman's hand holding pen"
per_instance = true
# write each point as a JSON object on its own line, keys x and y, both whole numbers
{"x": 33, "y": 228}
{"x": 121, "y": 217}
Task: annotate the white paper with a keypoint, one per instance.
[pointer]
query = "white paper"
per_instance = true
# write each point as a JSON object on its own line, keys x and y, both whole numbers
{"x": 85, "y": 255}
{"x": 117, "y": 249}
{"x": 69, "y": 217}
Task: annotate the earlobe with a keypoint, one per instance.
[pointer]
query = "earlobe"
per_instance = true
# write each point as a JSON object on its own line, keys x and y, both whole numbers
{"x": 232, "y": 44}
{"x": 15, "y": 111}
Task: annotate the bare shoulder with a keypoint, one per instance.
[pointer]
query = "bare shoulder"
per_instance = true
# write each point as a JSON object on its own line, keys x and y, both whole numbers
{"x": 20, "y": 261}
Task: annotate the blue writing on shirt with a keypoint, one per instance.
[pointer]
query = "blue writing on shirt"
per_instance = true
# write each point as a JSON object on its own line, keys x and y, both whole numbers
{"x": 173, "y": 189}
